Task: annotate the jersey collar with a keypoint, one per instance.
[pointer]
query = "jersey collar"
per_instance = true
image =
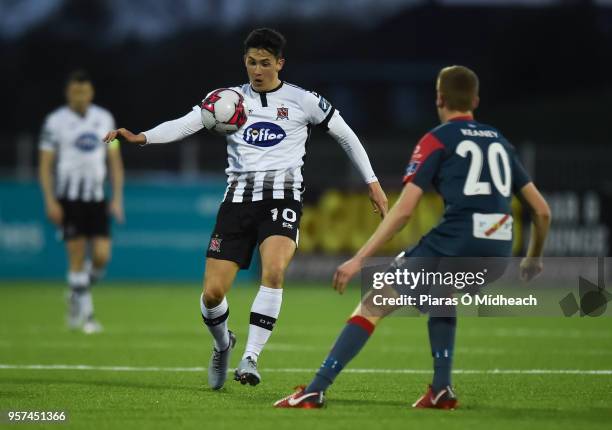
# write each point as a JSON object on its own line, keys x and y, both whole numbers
{"x": 462, "y": 118}
{"x": 78, "y": 115}
{"x": 269, "y": 91}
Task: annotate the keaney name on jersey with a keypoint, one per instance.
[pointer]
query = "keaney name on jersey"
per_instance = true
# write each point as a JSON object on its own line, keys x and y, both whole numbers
{"x": 479, "y": 133}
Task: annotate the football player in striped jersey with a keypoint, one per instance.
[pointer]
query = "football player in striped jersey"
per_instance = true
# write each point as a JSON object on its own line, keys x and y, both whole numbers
{"x": 262, "y": 205}
{"x": 71, "y": 141}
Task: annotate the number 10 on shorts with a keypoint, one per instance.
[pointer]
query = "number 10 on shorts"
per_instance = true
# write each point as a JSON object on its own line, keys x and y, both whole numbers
{"x": 288, "y": 214}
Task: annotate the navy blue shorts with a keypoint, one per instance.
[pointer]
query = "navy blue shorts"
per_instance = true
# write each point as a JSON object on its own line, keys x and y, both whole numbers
{"x": 423, "y": 258}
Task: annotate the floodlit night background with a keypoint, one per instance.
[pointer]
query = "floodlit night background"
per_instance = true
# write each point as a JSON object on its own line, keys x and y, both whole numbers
{"x": 544, "y": 68}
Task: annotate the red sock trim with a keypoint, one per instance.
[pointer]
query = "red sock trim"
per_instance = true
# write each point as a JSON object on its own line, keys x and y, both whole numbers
{"x": 363, "y": 323}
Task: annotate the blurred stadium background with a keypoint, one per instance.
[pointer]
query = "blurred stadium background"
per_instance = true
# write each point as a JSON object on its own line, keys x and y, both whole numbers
{"x": 545, "y": 77}
{"x": 545, "y": 82}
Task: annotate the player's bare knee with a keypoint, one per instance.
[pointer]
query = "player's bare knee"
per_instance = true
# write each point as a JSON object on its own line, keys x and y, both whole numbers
{"x": 214, "y": 293}
{"x": 273, "y": 277}
{"x": 364, "y": 311}
{"x": 100, "y": 259}
{"x": 213, "y": 298}
{"x": 76, "y": 266}
{"x": 76, "y": 262}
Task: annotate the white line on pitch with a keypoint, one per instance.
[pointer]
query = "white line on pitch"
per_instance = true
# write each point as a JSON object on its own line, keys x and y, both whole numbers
{"x": 289, "y": 347}
{"x": 303, "y": 370}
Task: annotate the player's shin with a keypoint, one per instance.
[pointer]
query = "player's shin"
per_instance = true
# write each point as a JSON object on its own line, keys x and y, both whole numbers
{"x": 96, "y": 274}
{"x": 264, "y": 312}
{"x": 215, "y": 320}
{"x": 80, "y": 300}
{"x": 351, "y": 340}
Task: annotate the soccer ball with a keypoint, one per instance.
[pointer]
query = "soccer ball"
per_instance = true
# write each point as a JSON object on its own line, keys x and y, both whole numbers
{"x": 224, "y": 111}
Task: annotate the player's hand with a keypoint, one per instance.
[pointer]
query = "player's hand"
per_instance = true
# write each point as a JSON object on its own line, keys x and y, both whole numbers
{"x": 378, "y": 199}
{"x": 55, "y": 213}
{"x": 344, "y": 273}
{"x": 116, "y": 210}
{"x": 530, "y": 268}
{"x": 125, "y": 135}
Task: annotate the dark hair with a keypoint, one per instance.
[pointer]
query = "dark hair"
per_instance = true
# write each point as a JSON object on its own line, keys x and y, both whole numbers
{"x": 80, "y": 76}
{"x": 459, "y": 87}
{"x": 268, "y": 39}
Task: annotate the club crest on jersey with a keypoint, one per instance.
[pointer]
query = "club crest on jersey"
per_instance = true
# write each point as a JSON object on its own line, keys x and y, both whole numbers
{"x": 87, "y": 142}
{"x": 263, "y": 134}
{"x": 282, "y": 113}
{"x": 215, "y": 244}
{"x": 324, "y": 104}
{"x": 412, "y": 168}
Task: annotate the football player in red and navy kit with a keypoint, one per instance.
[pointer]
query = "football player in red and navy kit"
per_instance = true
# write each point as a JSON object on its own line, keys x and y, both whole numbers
{"x": 476, "y": 171}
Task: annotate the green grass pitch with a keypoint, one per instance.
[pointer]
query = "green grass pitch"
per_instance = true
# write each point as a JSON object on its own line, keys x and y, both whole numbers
{"x": 142, "y": 374}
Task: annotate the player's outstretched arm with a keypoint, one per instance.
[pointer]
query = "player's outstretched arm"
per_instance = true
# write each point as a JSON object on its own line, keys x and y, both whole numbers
{"x": 165, "y": 132}
{"x": 532, "y": 265}
{"x": 125, "y": 135}
{"x": 378, "y": 198}
{"x": 397, "y": 217}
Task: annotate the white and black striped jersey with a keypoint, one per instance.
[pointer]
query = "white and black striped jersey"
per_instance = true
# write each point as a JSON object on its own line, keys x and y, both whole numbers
{"x": 80, "y": 151}
{"x": 265, "y": 157}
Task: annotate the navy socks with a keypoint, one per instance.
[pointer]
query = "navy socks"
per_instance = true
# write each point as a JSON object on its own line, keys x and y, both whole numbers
{"x": 442, "y": 341}
{"x": 352, "y": 338}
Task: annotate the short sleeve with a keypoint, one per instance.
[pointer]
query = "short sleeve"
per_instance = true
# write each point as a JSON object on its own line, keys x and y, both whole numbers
{"x": 48, "y": 136}
{"x": 317, "y": 109}
{"x": 520, "y": 177}
{"x": 425, "y": 161}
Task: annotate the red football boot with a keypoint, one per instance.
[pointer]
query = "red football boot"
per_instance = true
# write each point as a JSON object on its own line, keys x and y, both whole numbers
{"x": 444, "y": 399}
{"x": 302, "y": 400}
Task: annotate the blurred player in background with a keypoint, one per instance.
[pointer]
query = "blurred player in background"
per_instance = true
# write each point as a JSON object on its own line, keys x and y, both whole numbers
{"x": 72, "y": 171}
{"x": 263, "y": 202}
{"x": 476, "y": 170}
